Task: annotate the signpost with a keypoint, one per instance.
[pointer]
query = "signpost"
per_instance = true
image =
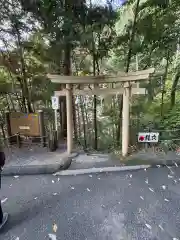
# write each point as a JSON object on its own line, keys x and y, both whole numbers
{"x": 55, "y": 106}
{"x": 55, "y": 102}
{"x": 148, "y": 137}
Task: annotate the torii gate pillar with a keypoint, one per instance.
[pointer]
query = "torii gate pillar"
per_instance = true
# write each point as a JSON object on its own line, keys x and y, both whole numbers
{"x": 125, "y": 121}
{"x": 69, "y": 119}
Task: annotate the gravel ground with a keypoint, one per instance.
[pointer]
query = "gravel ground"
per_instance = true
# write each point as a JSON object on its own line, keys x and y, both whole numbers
{"x": 138, "y": 205}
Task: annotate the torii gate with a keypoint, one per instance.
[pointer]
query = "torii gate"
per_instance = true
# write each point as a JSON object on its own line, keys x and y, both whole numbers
{"x": 128, "y": 88}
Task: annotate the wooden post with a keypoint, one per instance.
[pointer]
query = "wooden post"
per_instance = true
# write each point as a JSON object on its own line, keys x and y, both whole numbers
{"x": 69, "y": 119}
{"x": 63, "y": 116}
{"x": 125, "y": 121}
{"x": 42, "y": 128}
{"x": 18, "y": 140}
{"x": 7, "y": 119}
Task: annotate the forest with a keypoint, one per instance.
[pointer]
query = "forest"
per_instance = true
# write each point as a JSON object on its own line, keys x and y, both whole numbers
{"x": 91, "y": 38}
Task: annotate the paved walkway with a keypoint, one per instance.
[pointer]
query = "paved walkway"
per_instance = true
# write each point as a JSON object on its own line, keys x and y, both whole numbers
{"x": 34, "y": 160}
{"x": 30, "y": 156}
{"x": 137, "y": 205}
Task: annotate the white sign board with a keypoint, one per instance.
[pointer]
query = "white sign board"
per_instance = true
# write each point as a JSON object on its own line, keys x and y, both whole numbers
{"x": 145, "y": 137}
{"x": 24, "y": 127}
{"x": 55, "y": 103}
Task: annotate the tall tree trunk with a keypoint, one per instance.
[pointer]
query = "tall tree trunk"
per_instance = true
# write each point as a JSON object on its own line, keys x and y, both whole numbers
{"x": 129, "y": 56}
{"x": 74, "y": 118}
{"x": 174, "y": 88}
{"x": 66, "y": 65}
{"x": 66, "y": 72}
{"x": 83, "y": 120}
{"x": 23, "y": 72}
{"x": 3, "y": 131}
{"x": 132, "y": 36}
{"x": 175, "y": 78}
{"x": 95, "y": 108}
{"x": 11, "y": 102}
{"x": 164, "y": 84}
{"x": 23, "y": 96}
{"x": 78, "y": 120}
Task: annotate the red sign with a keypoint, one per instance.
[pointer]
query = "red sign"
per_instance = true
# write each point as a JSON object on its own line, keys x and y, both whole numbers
{"x": 141, "y": 138}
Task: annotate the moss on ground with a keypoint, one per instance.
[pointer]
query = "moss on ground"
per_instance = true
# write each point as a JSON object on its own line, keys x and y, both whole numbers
{"x": 134, "y": 162}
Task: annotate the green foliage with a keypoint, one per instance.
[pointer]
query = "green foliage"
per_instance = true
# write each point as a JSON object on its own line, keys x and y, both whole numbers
{"x": 98, "y": 38}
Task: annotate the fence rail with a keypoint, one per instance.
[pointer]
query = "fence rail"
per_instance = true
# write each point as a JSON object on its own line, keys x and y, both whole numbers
{"x": 49, "y": 141}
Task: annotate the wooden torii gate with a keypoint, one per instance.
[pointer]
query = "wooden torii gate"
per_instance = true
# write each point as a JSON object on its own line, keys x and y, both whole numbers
{"x": 129, "y": 88}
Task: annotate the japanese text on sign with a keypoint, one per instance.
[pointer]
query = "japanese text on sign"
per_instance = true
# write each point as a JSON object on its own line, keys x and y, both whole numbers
{"x": 55, "y": 102}
{"x": 148, "y": 137}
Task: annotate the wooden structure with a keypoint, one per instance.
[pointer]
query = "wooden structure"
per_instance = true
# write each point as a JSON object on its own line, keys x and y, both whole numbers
{"x": 26, "y": 124}
{"x": 130, "y": 82}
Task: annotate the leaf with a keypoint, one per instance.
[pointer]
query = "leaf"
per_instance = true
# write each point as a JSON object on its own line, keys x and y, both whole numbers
{"x": 55, "y": 228}
{"x": 148, "y": 226}
{"x": 4, "y": 200}
{"x": 52, "y": 236}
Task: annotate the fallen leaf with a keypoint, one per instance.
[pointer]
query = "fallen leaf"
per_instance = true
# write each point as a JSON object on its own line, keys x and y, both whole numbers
{"x": 148, "y": 226}
{"x": 176, "y": 164}
{"x": 88, "y": 189}
{"x": 151, "y": 189}
{"x": 55, "y": 228}
{"x": 161, "y": 227}
{"x": 4, "y": 200}
{"x": 169, "y": 176}
{"x": 52, "y": 236}
{"x": 141, "y": 197}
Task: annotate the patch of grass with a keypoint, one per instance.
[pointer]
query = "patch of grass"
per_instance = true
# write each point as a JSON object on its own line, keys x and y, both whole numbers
{"x": 134, "y": 162}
